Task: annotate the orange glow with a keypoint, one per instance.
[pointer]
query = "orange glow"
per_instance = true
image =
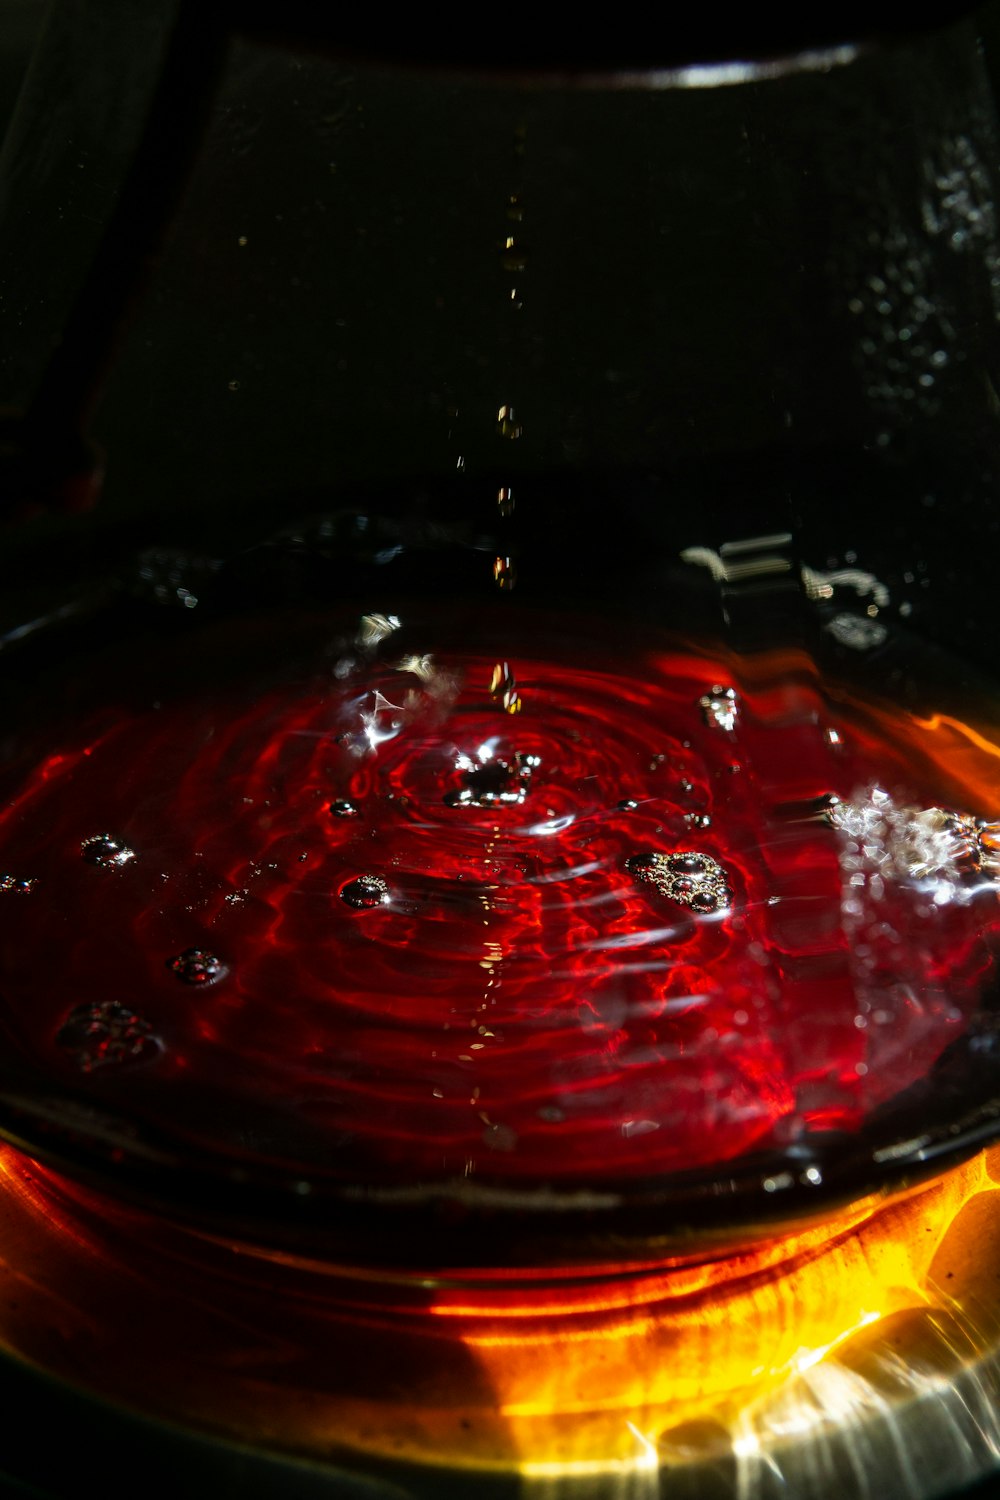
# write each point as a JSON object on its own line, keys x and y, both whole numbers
{"x": 575, "y": 1388}
{"x": 614, "y": 1374}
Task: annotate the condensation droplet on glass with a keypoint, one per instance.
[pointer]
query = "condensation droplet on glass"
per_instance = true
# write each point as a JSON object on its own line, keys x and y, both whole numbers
{"x": 19, "y": 885}
{"x": 106, "y": 1034}
{"x": 504, "y": 572}
{"x": 106, "y": 851}
{"x": 719, "y": 708}
{"x": 365, "y": 891}
{"x": 343, "y": 808}
{"x": 507, "y": 424}
{"x": 505, "y": 500}
{"x": 197, "y": 966}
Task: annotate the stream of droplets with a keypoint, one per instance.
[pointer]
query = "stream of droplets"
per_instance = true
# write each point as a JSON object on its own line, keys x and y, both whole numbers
{"x": 371, "y": 925}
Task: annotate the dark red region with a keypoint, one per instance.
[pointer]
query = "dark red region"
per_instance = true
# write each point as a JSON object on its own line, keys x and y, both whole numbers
{"x": 516, "y": 1002}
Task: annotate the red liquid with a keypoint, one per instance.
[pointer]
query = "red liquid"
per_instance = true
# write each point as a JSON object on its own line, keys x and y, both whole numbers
{"x": 378, "y": 929}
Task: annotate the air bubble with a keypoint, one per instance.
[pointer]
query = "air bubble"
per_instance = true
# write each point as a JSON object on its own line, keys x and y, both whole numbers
{"x": 107, "y": 1034}
{"x": 106, "y": 851}
{"x": 197, "y": 966}
{"x": 365, "y": 891}
{"x": 19, "y": 885}
{"x": 342, "y": 808}
{"x": 627, "y": 804}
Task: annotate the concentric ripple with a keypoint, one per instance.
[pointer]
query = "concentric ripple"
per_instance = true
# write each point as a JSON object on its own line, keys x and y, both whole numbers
{"x": 616, "y": 935}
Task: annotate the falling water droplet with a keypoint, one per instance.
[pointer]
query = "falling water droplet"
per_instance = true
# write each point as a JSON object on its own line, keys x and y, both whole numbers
{"x": 504, "y": 572}
{"x": 502, "y": 679}
{"x": 503, "y": 686}
{"x": 106, "y": 1034}
{"x": 342, "y": 808}
{"x": 197, "y": 966}
{"x": 106, "y": 851}
{"x": 505, "y": 500}
{"x": 18, "y": 884}
{"x": 507, "y": 424}
{"x": 365, "y": 891}
{"x": 513, "y": 257}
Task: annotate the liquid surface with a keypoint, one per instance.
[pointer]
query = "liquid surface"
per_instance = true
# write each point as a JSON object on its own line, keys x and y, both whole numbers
{"x": 402, "y": 913}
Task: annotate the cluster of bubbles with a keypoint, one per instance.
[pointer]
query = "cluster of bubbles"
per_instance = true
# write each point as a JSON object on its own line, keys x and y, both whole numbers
{"x": 106, "y": 1033}
{"x": 720, "y": 708}
{"x": 197, "y": 966}
{"x": 688, "y": 877}
{"x": 106, "y": 851}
